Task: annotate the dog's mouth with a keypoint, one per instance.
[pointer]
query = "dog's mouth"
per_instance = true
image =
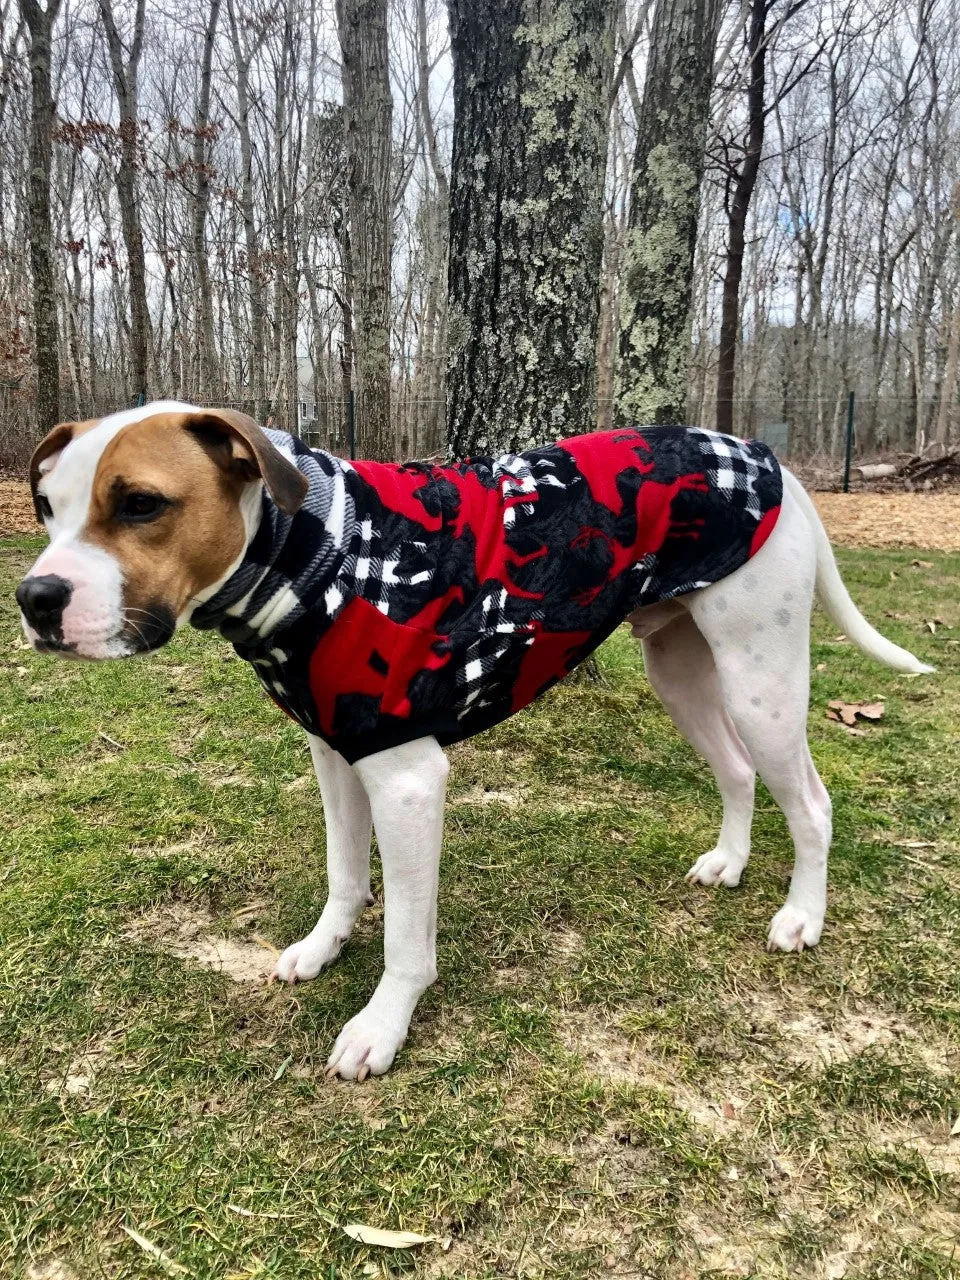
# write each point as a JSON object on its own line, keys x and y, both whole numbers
{"x": 55, "y": 644}
{"x": 145, "y": 630}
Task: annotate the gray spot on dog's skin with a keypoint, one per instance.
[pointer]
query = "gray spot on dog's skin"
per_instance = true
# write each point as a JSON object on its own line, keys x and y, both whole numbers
{"x": 758, "y": 626}
{"x": 721, "y": 605}
{"x": 758, "y": 657}
{"x": 788, "y": 595}
{"x": 751, "y": 581}
{"x": 756, "y": 702}
{"x": 775, "y": 716}
{"x": 783, "y": 617}
{"x": 748, "y": 648}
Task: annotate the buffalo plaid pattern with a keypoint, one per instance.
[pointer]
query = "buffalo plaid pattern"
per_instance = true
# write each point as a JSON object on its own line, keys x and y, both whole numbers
{"x": 373, "y": 573}
{"x": 733, "y": 466}
{"x": 498, "y": 635}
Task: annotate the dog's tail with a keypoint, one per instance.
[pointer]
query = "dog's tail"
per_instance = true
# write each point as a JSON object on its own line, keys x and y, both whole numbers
{"x": 835, "y": 598}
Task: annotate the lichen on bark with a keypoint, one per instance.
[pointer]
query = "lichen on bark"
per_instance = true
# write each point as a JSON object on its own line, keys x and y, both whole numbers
{"x": 526, "y": 228}
{"x": 654, "y": 350}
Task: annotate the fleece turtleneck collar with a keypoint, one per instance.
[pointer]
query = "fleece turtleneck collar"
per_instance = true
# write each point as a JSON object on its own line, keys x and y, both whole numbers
{"x": 291, "y": 560}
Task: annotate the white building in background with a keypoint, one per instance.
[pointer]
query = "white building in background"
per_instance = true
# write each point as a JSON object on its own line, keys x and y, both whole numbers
{"x": 306, "y": 395}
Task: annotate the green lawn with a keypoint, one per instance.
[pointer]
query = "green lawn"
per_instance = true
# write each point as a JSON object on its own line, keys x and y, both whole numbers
{"x": 611, "y": 1075}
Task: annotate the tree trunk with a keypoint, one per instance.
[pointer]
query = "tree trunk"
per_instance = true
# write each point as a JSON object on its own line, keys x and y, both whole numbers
{"x": 258, "y": 336}
{"x": 531, "y": 79}
{"x": 208, "y": 379}
{"x": 744, "y": 184}
{"x": 368, "y": 114}
{"x": 126, "y": 67}
{"x": 39, "y": 229}
{"x": 664, "y": 208}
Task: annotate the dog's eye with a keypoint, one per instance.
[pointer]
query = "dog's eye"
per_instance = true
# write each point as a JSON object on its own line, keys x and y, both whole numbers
{"x": 44, "y": 507}
{"x": 138, "y": 508}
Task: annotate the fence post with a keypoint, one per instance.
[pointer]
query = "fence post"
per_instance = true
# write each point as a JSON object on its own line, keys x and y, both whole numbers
{"x": 352, "y": 423}
{"x": 846, "y": 465}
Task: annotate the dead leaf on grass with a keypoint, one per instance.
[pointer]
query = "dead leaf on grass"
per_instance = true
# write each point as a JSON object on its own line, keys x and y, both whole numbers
{"x": 921, "y": 564}
{"x": 389, "y": 1239}
{"x": 163, "y": 1259}
{"x": 848, "y": 713}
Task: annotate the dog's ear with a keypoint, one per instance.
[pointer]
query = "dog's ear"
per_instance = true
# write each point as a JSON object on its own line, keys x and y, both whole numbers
{"x": 53, "y": 442}
{"x": 238, "y": 443}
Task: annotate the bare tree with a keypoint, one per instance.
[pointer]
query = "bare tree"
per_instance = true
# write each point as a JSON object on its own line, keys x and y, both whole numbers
{"x": 531, "y": 82}
{"x": 664, "y": 208}
{"x": 125, "y": 66}
{"x": 368, "y": 111}
{"x": 39, "y": 230}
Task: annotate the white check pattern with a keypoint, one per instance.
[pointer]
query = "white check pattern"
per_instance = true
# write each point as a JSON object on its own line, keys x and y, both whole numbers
{"x": 498, "y": 635}
{"x": 733, "y": 468}
{"x": 370, "y": 574}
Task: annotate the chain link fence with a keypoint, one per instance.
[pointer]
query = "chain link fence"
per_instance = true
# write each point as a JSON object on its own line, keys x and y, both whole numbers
{"x": 806, "y": 431}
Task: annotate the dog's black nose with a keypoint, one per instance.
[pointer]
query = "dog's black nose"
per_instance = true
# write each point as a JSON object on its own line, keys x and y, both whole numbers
{"x": 43, "y": 600}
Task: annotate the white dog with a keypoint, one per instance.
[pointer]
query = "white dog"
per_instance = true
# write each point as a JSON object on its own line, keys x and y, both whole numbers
{"x": 394, "y": 609}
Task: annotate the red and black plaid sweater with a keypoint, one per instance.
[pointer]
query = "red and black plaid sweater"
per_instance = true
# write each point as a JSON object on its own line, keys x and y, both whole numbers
{"x": 407, "y": 600}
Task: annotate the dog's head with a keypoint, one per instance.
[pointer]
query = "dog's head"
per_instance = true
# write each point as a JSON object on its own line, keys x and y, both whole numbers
{"x": 148, "y": 512}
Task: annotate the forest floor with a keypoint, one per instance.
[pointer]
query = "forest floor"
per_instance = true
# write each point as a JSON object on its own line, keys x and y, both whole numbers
{"x": 611, "y": 1076}
{"x": 852, "y": 519}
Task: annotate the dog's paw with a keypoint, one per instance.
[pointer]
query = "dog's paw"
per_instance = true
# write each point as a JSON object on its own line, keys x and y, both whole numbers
{"x": 366, "y": 1046}
{"x": 717, "y": 867}
{"x": 303, "y": 960}
{"x": 794, "y": 928}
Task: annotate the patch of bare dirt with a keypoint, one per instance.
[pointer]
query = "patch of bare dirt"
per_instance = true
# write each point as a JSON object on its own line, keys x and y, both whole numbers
{"x": 930, "y": 520}
{"x": 819, "y": 1037}
{"x": 610, "y": 1055}
{"x": 50, "y": 1269}
{"x": 16, "y": 508}
{"x": 187, "y": 932}
{"x": 481, "y": 796}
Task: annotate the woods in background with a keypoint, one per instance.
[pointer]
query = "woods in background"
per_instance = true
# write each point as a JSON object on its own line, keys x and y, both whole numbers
{"x": 255, "y": 203}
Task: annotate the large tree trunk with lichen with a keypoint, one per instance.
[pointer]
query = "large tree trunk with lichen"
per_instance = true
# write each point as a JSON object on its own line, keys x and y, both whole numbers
{"x": 664, "y": 207}
{"x": 39, "y": 229}
{"x": 526, "y": 219}
{"x": 368, "y": 114}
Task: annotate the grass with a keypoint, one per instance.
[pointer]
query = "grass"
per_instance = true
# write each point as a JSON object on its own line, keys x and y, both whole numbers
{"x": 610, "y": 1077}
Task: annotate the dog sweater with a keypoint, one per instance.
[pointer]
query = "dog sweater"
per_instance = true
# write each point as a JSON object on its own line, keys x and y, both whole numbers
{"x": 404, "y": 600}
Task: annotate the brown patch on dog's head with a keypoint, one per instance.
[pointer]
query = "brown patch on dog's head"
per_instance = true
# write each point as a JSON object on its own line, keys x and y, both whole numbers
{"x": 165, "y": 505}
{"x": 54, "y": 441}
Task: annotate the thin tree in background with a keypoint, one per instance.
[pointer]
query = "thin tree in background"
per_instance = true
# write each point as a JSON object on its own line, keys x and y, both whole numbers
{"x": 741, "y": 181}
{"x": 39, "y": 229}
{"x": 669, "y": 161}
{"x": 208, "y": 370}
{"x": 125, "y": 65}
{"x": 368, "y": 115}
{"x": 531, "y": 82}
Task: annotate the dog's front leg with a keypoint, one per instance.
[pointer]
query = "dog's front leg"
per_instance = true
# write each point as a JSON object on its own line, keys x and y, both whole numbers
{"x": 406, "y": 787}
{"x": 346, "y": 814}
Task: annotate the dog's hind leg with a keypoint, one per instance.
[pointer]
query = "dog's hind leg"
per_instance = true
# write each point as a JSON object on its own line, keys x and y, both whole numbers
{"x": 346, "y": 813}
{"x": 757, "y": 623}
{"x": 681, "y": 669}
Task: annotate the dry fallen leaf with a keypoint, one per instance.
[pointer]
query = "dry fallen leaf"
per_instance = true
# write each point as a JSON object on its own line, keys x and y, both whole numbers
{"x": 164, "y": 1259}
{"x": 729, "y": 1111}
{"x": 847, "y": 713}
{"x": 921, "y": 564}
{"x": 386, "y": 1239}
